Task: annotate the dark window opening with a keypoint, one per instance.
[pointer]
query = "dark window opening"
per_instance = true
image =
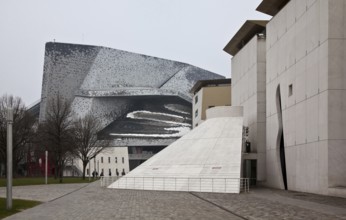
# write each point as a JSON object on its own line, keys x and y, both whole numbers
{"x": 290, "y": 90}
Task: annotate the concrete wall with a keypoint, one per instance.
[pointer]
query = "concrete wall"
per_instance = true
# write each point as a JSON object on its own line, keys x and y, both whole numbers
{"x": 225, "y": 111}
{"x": 305, "y": 52}
{"x": 336, "y": 94}
{"x": 248, "y": 90}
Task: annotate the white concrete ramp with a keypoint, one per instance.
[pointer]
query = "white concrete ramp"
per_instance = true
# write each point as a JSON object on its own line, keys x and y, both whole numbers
{"x": 207, "y": 159}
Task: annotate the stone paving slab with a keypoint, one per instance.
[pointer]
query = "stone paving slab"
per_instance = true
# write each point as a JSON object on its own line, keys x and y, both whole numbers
{"x": 93, "y": 202}
{"x": 273, "y": 204}
{"x": 42, "y": 193}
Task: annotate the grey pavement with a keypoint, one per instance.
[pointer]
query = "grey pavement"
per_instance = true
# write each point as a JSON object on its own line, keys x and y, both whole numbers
{"x": 42, "y": 193}
{"x": 93, "y": 202}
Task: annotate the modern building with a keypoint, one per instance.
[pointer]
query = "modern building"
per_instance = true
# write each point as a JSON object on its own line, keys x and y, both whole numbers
{"x": 249, "y": 91}
{"x": 143, "y": 102}
{"x": 208, "y": 94}
{"x": 289, "y": 75}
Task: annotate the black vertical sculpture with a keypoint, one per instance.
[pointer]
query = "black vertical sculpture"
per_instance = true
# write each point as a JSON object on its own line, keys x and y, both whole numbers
{"x": 280, "y": 140}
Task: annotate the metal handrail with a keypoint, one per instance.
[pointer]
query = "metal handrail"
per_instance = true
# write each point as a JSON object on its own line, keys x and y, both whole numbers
{"x": 199, "y": 184}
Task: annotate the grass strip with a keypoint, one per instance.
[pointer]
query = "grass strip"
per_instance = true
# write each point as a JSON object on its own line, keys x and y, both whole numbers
{"x": 26, "y": 181}
{"x": 18, "y": 205}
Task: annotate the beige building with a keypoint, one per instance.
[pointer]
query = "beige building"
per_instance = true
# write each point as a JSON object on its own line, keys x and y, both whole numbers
{"x": 297, "y": 61}
{"x": 208, "y": 94}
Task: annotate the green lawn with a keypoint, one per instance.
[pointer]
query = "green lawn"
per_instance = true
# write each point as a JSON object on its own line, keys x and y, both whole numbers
{"x": 41, "y": 180}
{"x": 18, "y": 205}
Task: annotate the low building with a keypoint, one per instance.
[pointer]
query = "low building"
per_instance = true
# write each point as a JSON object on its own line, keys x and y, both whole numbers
{"x": 208, "y": 94}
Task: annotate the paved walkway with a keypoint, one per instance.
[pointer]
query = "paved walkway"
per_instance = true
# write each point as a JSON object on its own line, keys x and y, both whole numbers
{"x": 42, "y": 193}
{"x": 92, "y": 202}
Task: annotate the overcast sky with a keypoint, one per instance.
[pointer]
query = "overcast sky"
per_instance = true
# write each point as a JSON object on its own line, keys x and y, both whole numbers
{"x": 190, "y": 31}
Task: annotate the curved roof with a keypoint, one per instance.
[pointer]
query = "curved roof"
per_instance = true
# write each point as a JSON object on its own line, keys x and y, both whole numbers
{"x": 71, "y": 68}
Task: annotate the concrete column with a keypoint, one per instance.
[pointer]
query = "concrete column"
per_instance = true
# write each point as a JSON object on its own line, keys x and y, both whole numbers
{"x": 9, "y": 159}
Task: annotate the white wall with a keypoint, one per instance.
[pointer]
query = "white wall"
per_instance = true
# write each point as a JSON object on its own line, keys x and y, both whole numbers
{"x": 305, "y": 49}
{"x": 197, "y": 119}
{"x": 112, "y": 152}
{"x": 248, "y": 90}
{"x": 336, "y": 94}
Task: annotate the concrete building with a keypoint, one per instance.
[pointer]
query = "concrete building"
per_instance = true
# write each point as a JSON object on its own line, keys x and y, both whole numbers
{"x": 249, "y": 91}
{"x": 208, "y": 94}
{"x": 297, "y": 60}
{"x": 143, "y": 102}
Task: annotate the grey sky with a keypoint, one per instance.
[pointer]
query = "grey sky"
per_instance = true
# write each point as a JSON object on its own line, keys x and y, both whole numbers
{"x": 190, "y": 31}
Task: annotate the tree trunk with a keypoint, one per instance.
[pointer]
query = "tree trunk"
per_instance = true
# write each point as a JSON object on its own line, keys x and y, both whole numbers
{"x": 85, "y": 163}
{"x": 61, "y": 168}
{"x": 56, "y": 168}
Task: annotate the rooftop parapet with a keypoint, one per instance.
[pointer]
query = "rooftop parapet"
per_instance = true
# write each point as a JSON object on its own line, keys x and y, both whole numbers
{"x": 271, "y": 7}
{"x": 249, "y": 29}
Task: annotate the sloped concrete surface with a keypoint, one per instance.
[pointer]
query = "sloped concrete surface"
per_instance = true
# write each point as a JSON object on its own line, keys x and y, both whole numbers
{"x": 206, "y": 159}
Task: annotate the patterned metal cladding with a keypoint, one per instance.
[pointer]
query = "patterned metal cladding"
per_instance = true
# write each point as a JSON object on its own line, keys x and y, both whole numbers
{"x": 113, "y": 83}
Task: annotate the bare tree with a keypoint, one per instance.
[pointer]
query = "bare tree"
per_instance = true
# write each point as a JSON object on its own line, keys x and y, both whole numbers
{"x": 87, "y": 144}
{"x": 56, "y": 132}
{"x": 116, "y": 112}
{"x": 22, "y": 129}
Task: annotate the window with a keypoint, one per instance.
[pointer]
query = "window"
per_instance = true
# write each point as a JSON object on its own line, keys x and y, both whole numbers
{"x": 123, "y": 160}
{"x": 109, "y": 159}
{"x": 101, "y": 159}
{"x": 196, "y": 99}
{"x": 116, "y": 160}
{"x": 196, "y": 113}
{"x": 87, "y": 171}
{"x": 290, "y": 89}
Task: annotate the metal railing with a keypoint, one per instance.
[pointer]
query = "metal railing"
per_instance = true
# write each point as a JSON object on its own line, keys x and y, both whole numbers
{"x": 189, "y": 184}
{"x": 108, "y": 180}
